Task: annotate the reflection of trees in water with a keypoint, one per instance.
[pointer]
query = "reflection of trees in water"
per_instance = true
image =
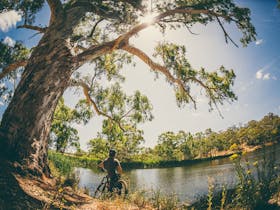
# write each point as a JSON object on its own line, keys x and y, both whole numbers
{"x": 167, "y": 177}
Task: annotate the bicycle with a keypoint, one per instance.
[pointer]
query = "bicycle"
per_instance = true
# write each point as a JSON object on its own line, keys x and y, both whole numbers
{"x": 119, "y": 188}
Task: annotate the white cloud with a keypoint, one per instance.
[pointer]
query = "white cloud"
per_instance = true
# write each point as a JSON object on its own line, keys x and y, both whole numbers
{"x": 8, "y": 41}
{"x": 259, "y": 41}
{"x": 259, "y": 74}
{"x": 1, "y": 103}
{"x": 9, "y": 19}
{"x": 266, "y": 76}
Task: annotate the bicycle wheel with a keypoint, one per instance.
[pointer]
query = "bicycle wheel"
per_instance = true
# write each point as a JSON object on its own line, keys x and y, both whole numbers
{"x": 122, "y": 190}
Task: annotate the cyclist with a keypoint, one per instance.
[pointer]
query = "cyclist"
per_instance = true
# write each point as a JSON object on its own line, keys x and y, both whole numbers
{"x": 113, "y": 168}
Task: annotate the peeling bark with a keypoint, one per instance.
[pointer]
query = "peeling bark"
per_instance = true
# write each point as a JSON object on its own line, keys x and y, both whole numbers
{"x": 26, "y": 123}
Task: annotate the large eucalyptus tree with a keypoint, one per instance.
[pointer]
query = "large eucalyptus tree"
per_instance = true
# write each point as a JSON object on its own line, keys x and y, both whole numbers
{"x": 110, "y": 24}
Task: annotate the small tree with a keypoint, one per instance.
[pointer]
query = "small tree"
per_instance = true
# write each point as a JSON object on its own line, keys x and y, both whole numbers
{"x": 125, "y": 137}
{"x": 63, "y": 134}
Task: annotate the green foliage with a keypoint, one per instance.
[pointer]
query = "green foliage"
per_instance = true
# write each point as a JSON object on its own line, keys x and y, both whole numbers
{"x": 62, "y": 163}
{"x": 120, "y": 130}
{"x": 210, "y": 194}
{"x": 111, "y": 64}
{"x": 119, "y": 15}
{"x": 168, "y": 146}
{"x": 99, "y": 148}
{"x": 256, "y": 133}
{"x": 238, "y": 15}
{"x": 115, "y": 17}
{"x": 10, "y": 55}
{"x": 63, "y": 134}
{"x": 65, "y": 163}
{"x": 254, "y": 191}
{"x": 126, "y": 142}
{"x": 185, "y": 146}
{"x": 82, "y": 112}
{"x": 257, "y": 183}
{"x": 217, "y": 84}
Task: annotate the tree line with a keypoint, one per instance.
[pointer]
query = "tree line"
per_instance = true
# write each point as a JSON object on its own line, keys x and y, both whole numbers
{"x": 184, "y": 145}
{"x": 170, "y": 145}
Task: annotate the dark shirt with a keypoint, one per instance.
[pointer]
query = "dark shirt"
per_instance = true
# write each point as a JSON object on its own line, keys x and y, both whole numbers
{"x": 111, "y": 164}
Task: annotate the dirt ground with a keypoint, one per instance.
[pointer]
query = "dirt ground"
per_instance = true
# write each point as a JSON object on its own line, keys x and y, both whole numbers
{"x": 57, "y": 197}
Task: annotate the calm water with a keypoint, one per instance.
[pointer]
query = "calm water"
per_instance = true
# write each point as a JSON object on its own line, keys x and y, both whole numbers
{"x": 188, "y": 182}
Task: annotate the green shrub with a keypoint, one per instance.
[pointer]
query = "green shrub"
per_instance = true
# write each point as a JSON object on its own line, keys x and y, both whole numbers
{"x": 257, "y": 182}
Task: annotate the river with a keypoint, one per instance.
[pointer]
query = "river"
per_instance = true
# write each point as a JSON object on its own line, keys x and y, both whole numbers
{"x": 187, "y": 182}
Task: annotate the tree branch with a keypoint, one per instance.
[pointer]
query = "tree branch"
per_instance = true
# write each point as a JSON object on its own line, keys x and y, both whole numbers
{"x": 56, "y": 9}
{"x": 86, "y": 90}
{"x": 189, "y": 29}
{"x": 90, "y": 6}
{"x": 12, "y": 67}
{"x": 94, "y": 27}
{"x": 156, "y": 67}
{"x": 225, "y": 33}
{"x": 35, "y": 28}
{"x": 127, "y": 113}
{"x": 97, "y": 50}
{"x": 167, "y": 13}
{"x": 201, "y": 83}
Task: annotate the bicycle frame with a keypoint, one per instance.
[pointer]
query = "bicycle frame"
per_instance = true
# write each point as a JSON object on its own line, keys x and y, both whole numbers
{"x": 105, "y": 184}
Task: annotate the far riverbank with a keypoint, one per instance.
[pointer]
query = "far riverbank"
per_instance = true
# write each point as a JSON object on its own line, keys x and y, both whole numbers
{"x": 65, "y": 162}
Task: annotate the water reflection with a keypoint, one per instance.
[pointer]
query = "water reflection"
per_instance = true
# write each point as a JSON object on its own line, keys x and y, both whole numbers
{"x": 187, "y": 182}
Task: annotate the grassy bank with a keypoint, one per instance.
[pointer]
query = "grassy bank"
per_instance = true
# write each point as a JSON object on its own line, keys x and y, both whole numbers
{"x": 257, "y": 187}
{"x": 167, "y": 163}
{"x": 64, "y": 162}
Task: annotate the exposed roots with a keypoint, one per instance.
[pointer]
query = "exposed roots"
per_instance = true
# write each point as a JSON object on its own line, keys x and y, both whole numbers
{"x": 25, "y": 191}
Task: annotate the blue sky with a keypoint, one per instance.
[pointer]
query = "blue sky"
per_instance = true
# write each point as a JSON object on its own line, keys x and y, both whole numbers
{"x": 257, "y": 68}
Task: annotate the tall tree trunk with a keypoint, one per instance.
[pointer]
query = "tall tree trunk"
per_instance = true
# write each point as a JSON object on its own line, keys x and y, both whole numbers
{"x": 26, "y": 122}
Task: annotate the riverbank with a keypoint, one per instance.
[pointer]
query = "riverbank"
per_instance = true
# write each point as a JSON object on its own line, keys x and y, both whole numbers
{"x": 149, "y": 196}
{"x": 52, "y": 194}
{"x": 65, "y": 162}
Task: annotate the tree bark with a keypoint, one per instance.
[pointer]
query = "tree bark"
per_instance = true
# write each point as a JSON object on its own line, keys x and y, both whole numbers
{"x": 26, "y": 123}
